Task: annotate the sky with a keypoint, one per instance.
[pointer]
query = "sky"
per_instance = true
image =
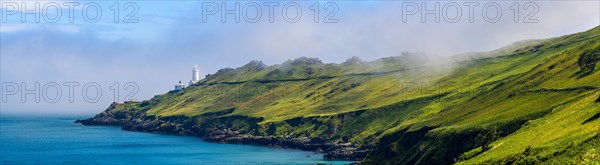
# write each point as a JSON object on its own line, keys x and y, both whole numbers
{"x": 86, "y": 54}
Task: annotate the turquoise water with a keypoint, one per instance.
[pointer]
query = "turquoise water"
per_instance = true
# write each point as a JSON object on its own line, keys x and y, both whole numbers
{"x": 60, "y": 141}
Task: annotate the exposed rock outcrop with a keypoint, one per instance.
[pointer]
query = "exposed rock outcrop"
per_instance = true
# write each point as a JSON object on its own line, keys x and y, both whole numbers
{"x": 220, "y": 127}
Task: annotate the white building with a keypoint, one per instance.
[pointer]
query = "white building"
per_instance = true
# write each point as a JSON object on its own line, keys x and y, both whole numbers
{"x": 195, "y": 78}
{"x": 195, "y": 75}
{"x": 179, "y": 86}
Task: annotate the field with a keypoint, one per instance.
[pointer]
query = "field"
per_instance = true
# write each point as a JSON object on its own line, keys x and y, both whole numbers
{"x": 529, "y": 102}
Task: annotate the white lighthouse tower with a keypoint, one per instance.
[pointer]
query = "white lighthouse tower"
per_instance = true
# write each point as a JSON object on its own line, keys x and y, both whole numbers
{"x": 195, "y": 75}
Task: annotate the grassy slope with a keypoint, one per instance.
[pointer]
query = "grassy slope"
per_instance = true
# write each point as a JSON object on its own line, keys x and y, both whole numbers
{"x": 564, "y": 126}
{"x": 521, "y": 87}
{"x": 534, "y": 81}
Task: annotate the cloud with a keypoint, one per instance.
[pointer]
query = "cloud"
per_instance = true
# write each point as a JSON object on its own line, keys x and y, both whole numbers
{"x": 378, "y": 31}
{"x": 161, "y": 49}
{"x": 50, "y": 55}
{"x": 22, "y": 5}
{"x": 8, "y": 28}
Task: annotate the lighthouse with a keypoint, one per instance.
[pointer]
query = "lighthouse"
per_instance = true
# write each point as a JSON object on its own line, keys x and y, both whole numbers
{"x": 195, "y": 75}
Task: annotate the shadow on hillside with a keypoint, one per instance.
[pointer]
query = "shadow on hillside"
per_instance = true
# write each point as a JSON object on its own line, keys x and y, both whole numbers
{"x": 581, "y": 74}
{"x": 596, "y": 116}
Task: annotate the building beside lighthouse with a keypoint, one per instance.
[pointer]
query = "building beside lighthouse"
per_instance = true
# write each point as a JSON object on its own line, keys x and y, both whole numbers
{"x": 195, "y": 78}
{"x": 179, "y": 86}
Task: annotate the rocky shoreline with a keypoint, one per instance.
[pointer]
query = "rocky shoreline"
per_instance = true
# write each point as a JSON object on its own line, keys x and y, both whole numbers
{"x": 185, "y": 126}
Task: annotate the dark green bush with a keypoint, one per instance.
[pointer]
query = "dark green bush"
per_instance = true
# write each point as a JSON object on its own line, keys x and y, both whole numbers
{"x": 487, "y": 137}
{"x": 588, "y": 58}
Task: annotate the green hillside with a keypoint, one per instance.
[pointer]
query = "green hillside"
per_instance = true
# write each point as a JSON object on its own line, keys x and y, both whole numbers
{"x": 534, "y": 101}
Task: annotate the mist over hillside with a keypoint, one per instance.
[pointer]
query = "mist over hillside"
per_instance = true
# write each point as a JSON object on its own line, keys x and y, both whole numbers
{"x": 534, "y": 101}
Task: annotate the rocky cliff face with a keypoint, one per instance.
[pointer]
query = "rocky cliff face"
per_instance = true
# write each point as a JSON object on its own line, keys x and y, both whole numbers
{"x": 220, "y": 127}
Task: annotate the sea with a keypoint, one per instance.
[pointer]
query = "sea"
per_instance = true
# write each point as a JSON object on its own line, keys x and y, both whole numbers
{"x": 58, "y": 140}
